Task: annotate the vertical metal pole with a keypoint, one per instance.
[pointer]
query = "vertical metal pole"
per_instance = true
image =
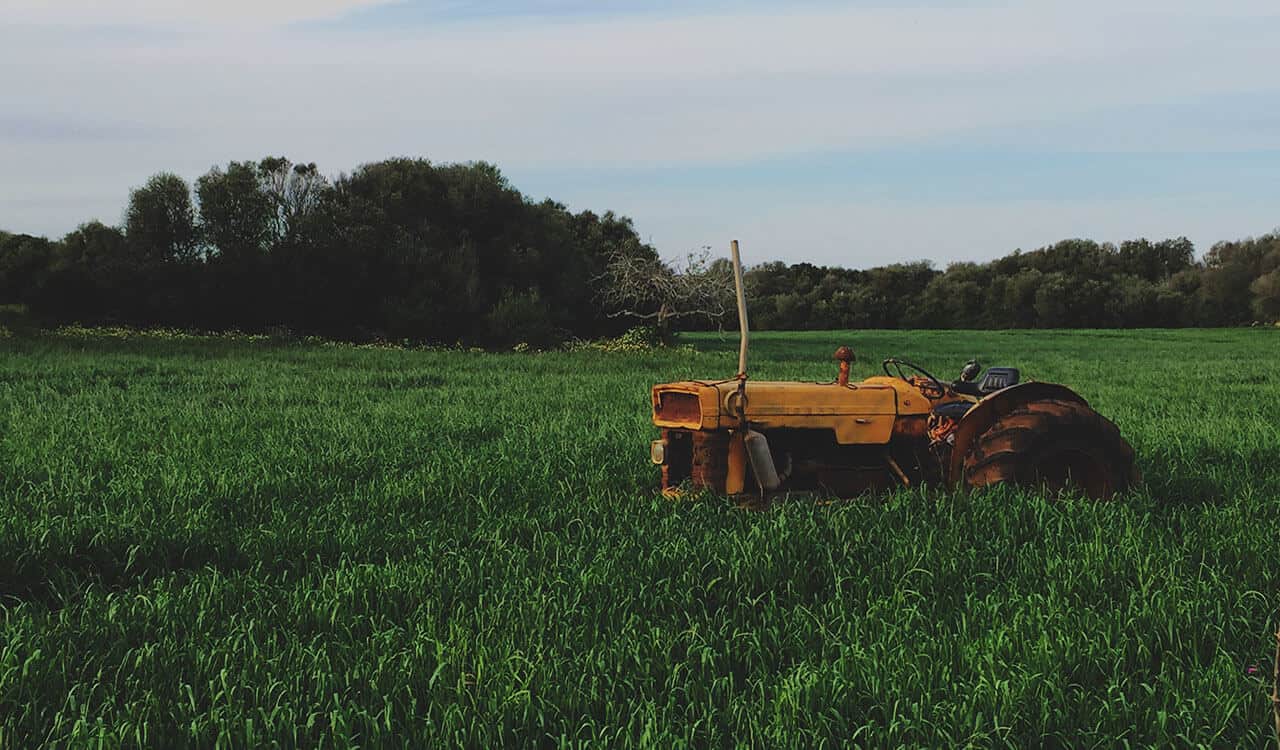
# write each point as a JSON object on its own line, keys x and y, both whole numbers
{"x": 742, "y": 310}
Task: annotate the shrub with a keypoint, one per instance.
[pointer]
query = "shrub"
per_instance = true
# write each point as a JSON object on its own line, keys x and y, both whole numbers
{"x": 522, "y": 318}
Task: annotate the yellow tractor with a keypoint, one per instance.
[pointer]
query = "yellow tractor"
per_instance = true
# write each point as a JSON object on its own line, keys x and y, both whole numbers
{"x": 906, "y": 427}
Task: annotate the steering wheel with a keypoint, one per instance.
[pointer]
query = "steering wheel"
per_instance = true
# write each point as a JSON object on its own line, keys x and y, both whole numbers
{"x": 935, "y": 385}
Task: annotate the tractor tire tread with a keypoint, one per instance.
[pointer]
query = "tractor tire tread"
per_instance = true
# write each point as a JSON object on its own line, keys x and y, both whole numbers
{"x": 1006, "y": 451}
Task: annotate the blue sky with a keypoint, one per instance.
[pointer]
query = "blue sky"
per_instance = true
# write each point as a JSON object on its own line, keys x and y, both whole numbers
{"x": 850, "y": 133}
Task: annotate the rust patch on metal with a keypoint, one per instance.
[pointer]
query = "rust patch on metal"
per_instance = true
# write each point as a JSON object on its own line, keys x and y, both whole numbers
{"x": 914, "y": 427}
{"x": 679, "y": 407}
{"x": 843, "y": 355}
{"x": 710, "y": 460}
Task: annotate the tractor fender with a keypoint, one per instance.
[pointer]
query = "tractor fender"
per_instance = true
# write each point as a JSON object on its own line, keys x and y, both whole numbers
{"x": 988, "y": 410}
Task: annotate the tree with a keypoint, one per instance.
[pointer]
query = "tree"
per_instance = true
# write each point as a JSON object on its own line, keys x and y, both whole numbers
{"x": 24, "y": 267}
{"x": 1020, "y": 298}
{"x": 646, "y": 289}
{"x": 1266, "y": 296}
{"x": 952, "y": 301}
{"x": 160, "y": 222}
{"x": 295, "y": 191}
{"x": 1155, "y": 261}
{"x": 452, "y": 253}
{"x": 94, "y": 276}
{"x": 237, "y": 217}
{"x": 522, "y": 318}
{"x": 1230, "y": 270}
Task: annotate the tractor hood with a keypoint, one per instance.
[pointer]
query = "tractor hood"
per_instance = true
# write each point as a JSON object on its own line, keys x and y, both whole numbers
{"x": 858, "y": 412}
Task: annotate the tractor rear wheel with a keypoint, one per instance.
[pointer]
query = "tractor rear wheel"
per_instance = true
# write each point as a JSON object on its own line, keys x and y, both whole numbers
{"x": 1052, "y": 444}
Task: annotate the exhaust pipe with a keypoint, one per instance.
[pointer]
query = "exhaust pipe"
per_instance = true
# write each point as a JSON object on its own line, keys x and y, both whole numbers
{"x": 762, "y": 461}
{"x": 742, "y": 310}
{"x": 757, "y": 445}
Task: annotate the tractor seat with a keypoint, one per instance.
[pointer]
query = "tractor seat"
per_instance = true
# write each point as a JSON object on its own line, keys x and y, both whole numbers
{"x": 996, "y": 379}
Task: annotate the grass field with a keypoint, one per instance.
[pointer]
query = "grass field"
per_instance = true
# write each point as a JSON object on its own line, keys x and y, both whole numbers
{"x": 235, "y": 542}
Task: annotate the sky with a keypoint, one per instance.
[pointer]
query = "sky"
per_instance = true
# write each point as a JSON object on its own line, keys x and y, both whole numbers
{"x": 854, "y": 134}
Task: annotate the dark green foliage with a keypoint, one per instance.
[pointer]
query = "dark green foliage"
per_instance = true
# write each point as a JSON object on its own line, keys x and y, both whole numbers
{"x": 96, "y": 268}
{"x": 15, "y": 321}
{"x": 237, "y": 216}
{"x": 522, "y": 317}
{"x": 232, "y": 542}
{"x": 399, "y": 249}
{"x": 160, "y": 220}
{"x": 24, "y": 267}
{"x": 1266, "y": 295}
{"x": 447, "y": 253}
{"x": 1075, "y": 283}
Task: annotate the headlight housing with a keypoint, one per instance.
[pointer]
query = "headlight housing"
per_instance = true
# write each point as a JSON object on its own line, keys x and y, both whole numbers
{"x": 658, "y": 452}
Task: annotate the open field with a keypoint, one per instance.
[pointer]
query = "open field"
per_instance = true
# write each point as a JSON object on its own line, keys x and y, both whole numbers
{"x": 234, "y": 541}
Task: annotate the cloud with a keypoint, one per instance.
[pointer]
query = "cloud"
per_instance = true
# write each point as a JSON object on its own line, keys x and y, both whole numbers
{"x": 699, "y": 89}
{"x": 235, "y": 13}
{"x": 47, "y": 130}
{"x": 704, "y": 88}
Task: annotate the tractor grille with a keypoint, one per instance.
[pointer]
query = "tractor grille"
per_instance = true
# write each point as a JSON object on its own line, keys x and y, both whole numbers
{"x": 677, "y": 407}
{"x": 696, "y": 455}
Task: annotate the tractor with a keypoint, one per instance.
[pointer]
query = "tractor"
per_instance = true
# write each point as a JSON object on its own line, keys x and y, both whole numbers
{"x": 740, "y": 437}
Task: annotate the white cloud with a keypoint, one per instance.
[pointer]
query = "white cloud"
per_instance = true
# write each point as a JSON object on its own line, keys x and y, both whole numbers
{"x": 634, "y": 91}
{"x": 218, "y": 81}
{"x": 237, "y": 13}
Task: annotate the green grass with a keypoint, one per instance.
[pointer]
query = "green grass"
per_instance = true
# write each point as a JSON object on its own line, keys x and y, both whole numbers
{"x": 232, "y": 542}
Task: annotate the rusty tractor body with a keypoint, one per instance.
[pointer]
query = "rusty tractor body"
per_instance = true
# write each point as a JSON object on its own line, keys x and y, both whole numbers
{"x": 883, "y": 432}
{"x": 739, "y": 436}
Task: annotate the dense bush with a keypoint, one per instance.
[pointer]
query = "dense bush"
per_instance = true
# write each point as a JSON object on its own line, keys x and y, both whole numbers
{"x": 1072, "y": 284}
{"x": 398, "y": 249}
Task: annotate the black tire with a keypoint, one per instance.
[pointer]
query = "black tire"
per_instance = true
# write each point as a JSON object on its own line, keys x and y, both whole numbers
{"x": 1052, "y": 444}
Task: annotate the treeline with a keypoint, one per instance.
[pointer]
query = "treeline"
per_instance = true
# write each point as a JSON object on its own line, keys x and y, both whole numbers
{"x": 1072, "y": 284}
{"x": 398, "y": 249}
{"x": 453, "y": 253}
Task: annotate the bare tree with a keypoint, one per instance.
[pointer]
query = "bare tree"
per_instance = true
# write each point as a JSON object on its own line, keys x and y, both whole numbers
{"x": 294, "y": 190}
{"x": 645, "y": 288}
